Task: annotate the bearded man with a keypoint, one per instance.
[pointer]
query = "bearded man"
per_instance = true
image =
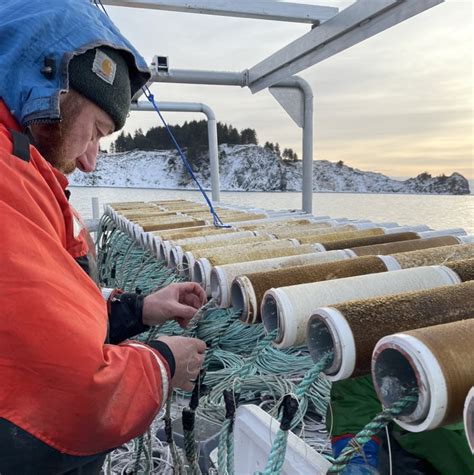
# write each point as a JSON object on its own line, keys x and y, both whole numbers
{"x": 73, "y": 387}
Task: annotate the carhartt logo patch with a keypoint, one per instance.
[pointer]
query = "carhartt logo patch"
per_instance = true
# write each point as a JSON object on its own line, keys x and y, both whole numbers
{"x": 104, "y": 66}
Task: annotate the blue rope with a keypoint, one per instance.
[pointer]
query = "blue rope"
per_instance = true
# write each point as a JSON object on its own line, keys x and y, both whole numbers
{"x": 217, "y": 221}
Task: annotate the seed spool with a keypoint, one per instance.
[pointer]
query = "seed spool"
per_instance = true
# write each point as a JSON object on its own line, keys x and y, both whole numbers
{"x": 469, "y": 419}
{"x": 434, "y": 362}
{"x": 464, "y": 269}
{"x": 222, "y": 276}
{"x": 247, "y": 291}
{"x": 273, "y": 222}
{"x": 193, "y": 231}
{"x": 352, "y": 329}
{"x": 310, "y": 238}
{"x": 287, "y": 309}
{"x": 405, "y": 246}
{"x": 201, "y": 271}
{"x": 177, "y": 252}
{"x": 344, "y": 243}
{"x": 171, "y": 225}
{"x": 305, "y": 230}
{"x": 233, "y": 253}
{"x": 439, "y": 255}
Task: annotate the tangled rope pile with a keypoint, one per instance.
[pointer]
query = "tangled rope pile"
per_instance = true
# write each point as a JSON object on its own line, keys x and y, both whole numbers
{"x": 240, "y": 366}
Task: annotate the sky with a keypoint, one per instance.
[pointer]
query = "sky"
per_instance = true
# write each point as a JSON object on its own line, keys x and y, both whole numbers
{"x": 399, "y": 103}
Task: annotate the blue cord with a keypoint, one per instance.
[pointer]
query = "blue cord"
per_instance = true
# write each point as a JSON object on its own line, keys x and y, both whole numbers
{"x": 215, "y": 218}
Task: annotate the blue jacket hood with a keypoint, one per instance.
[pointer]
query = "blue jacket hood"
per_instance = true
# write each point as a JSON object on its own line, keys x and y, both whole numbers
{"x": 35, "y": 31}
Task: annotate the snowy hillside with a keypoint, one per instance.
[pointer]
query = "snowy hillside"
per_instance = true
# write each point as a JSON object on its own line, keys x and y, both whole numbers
{"x": 253, "y": 168}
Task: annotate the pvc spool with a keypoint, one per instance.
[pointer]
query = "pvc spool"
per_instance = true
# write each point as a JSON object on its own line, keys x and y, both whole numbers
{"x": 177, "y": 252}
{"x": 288, "y": 309}
{"x": 466, "y": 239}
{"x": 437, "y": 255}
{"x": 293, "y": 231}
{"x": 172, "y": 225}
{"x": 405, "y": 246}
{"x": 352, "y": 329}
{"x": 469, "y": 419}
{"x": 247, "y": 290}
{"x": 236, "y": 253}
{"x": 413, "y": 228}
{"x": 355, "y": 241}
{"x": 223, "y": 275}
{"x": 464, "y": 269}
{"x": 189, "y": 233}
{"x": 309, "y": 238}
{"x": 202, "y": 267}
{"x": 443, "y": 232}
{"x": 436, "y": 362}
{"x": 254, "y": 432}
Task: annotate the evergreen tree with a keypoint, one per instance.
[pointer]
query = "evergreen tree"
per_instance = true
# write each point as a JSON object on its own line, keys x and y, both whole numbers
{"x": 248, "y": 136}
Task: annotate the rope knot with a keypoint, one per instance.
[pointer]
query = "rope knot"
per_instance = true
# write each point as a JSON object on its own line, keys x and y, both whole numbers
{"x": 289, "y": 407}
{"x": 230, "y": 400}
{"x": 188, "y": 418}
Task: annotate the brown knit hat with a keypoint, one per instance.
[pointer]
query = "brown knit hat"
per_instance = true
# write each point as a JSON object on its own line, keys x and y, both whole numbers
{"x": 102, "y": 76}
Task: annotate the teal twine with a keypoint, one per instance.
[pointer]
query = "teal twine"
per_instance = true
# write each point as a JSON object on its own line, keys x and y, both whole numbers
{"x": 372, "y": 428}
{"x": 222, "y": 453}
{"x": 278, "y": 450}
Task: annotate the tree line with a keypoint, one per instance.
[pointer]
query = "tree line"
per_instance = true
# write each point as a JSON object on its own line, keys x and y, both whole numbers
{"x": 192, "y": 136}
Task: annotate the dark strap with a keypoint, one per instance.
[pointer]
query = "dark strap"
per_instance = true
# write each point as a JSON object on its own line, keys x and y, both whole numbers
{"x": 21, "y": 145}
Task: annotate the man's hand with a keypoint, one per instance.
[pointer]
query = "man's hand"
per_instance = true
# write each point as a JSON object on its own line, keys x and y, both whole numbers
{"x": 176, "y": 301}
{"x": 188, "y": 356}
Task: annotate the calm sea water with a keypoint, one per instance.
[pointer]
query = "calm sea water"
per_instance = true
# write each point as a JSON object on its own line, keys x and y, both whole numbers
{"x": 437, "y": 211}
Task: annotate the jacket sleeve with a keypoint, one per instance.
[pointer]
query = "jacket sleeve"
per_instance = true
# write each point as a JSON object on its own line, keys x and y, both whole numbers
{"x": 59, "y": 381}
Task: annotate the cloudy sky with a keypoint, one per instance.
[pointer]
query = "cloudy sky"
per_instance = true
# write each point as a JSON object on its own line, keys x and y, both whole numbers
{"x": 399, "y": 103}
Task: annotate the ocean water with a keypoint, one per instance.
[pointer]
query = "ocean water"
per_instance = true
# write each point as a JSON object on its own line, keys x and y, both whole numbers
{"x": 436, "y": 211}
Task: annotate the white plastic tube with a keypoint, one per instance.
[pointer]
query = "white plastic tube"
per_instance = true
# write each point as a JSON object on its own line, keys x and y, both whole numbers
{"x": 221, "y": 277}
{"x": 288, "y": 308}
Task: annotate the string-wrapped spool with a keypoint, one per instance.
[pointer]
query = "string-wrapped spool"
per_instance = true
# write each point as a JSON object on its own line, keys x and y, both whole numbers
{"x": 176, "y": 253}
{"x": 222, "y": 276}
{"x": 193, "y": 231}
{"x": 201, "y": 271}
{"x": 276, "y": 223}
{"x": 313, "y": 237}
{"x": 287, "y": 309}
{"x": 353, "y": 242}
{"x": 464, "y": 269}
{"x": 405, "y": 246}
{"x": 435, "y": 363}
{"x": 234, "y": 253}
{"x": 165, "y": 246}
{"x": 172, "y": 225}
{"x": 311, "y": 230}
{"x": 469, "y": 419}
{"x": 438, "y": 255}
{"x": 236, "y": 219}
{"x": 352, "y": 329}
{"x": 247, "y": 291}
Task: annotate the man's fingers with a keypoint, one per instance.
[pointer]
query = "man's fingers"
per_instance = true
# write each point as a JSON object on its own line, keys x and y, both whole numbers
{"x": 196, "y": 289}
{"x": 183, "y": 312}
{"x": 192, "y": 300}
{"x": 200, "y": 346}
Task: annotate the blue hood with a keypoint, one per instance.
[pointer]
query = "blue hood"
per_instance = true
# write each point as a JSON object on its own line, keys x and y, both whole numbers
{"x": 35, "y": 31}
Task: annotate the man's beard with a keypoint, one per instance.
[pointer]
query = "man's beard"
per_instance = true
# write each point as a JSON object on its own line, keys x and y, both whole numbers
{"x": 50, "y": 140}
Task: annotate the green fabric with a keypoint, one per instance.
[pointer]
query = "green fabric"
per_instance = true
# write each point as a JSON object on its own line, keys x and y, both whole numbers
{"x": 445, "y": 448}
{"x": 354, "y": 403}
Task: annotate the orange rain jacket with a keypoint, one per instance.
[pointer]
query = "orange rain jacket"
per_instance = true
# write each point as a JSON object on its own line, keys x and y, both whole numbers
{"x": 59, "y": 381}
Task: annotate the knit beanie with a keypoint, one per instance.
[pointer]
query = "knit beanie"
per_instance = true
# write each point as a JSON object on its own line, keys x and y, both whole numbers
{"x": 102, "y": 76}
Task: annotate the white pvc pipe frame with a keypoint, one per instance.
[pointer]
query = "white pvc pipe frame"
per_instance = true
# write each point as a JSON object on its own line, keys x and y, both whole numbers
{"x": 211, "y": 132}
{"x": 226, "y": 78}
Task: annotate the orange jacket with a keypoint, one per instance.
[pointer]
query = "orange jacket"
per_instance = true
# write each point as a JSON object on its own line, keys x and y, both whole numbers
{"x": 59, "y": 381}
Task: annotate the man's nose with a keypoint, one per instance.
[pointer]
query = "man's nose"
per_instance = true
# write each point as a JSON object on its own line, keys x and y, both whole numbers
{"x": 87, "y": 161}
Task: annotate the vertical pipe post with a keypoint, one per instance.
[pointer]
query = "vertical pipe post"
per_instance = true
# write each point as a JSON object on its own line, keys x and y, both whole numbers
{"x": 214, "y": 158}
{"x": 307, "y": 147}
{"x": 95, "y": 208}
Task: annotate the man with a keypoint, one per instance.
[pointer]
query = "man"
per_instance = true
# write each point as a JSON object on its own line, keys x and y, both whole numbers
{"x": 72, "y": 386}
